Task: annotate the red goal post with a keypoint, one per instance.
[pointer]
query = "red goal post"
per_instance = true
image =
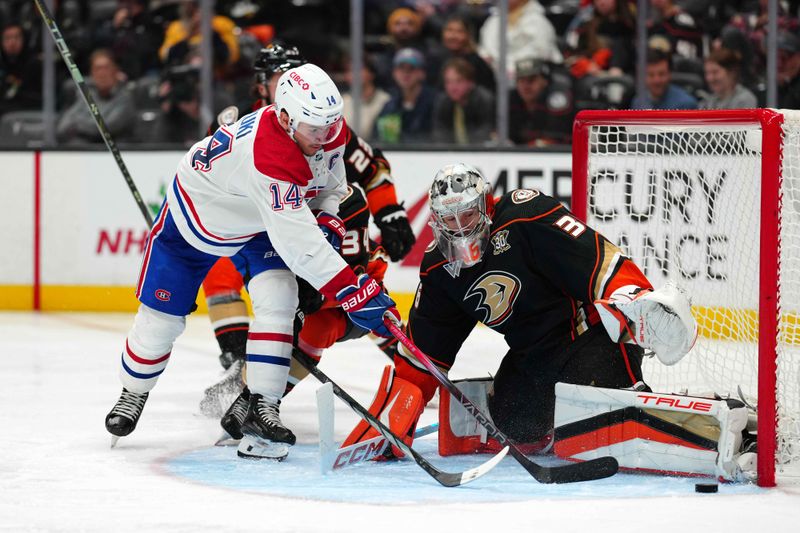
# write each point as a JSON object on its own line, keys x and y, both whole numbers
{"x": 688, "y": 194}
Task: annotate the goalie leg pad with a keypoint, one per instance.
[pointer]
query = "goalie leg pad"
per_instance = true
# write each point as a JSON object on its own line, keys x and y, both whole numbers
{"x": 398, "y": 404}
{"x": 652, "y": 432}
{"x": 460, "y": 432}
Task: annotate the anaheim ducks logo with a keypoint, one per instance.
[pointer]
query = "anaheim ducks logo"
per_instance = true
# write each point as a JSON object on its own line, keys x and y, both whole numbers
{"x": 497, "y": 292}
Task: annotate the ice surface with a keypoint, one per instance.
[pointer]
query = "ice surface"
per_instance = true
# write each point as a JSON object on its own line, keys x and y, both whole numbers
{"x": 57, "y": 472}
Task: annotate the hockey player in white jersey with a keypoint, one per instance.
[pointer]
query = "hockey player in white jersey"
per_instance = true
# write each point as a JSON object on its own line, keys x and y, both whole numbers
{"x": 264, "y": 191}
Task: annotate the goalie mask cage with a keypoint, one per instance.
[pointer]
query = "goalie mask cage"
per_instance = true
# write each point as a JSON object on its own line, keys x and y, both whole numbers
{"x": 711, "y": 201}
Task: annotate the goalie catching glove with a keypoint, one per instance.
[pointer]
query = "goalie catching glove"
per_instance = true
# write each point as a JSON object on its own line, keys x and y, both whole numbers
{"x": 366, "y": 303}
{"x": 658, "y": 320}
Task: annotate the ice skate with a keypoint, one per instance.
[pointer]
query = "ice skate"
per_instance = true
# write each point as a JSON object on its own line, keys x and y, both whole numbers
{"x": 226, "y": 359}
{"x": 233, "y": 418}
{"x": 264, "y": 435}
{"x": 220, "y": 395}
{"x": 122, "y": 418}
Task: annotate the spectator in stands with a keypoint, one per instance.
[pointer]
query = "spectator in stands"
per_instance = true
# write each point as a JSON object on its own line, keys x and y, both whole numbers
{"x": 133, "y": 38}
{"x": 457, "y": 41}
{"x": 722, "y": 67}
{"x": 373, "y": 99}
{"x": 541, "y": 107}
{"x": 404, "y": 27}
{"x": 601, "y": 38}
{"x": 788, "y": 70}
{"x": 671, "y": 21}
{"x": 436, "y": 13}
{"x": 530, "y": 34}
{"x": 179, "y": 121}
{"x": 752, "y": 69}
{"x": 751, "y": 26}
{"x": 464, "y": 113}
{"x": 661, "y": 93}
{"x": 113, "y": 98}
{"x": 20, "y": 72}
{"x": 407, "y": 116}
{"x": 183, "y": 37}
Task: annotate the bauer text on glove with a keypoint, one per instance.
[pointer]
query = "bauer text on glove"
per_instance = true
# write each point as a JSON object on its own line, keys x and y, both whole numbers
{"x": 366, "y": 303}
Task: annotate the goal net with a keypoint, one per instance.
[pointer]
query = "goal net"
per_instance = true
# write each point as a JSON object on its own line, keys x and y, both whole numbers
{"x": 711, "y": 201}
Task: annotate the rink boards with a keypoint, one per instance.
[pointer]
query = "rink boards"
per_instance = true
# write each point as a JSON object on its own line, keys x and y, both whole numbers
{"x": 73, "y": 235}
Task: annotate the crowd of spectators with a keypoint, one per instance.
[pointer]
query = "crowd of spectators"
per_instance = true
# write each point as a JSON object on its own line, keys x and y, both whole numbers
{"x": 430, "y": 66}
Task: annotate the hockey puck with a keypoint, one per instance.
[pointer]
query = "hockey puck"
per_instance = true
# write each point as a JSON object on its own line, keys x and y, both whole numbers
{"x": 706, "y": 488}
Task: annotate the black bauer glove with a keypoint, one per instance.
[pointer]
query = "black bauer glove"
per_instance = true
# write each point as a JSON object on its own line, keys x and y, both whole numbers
{"x": 397, "y": 237}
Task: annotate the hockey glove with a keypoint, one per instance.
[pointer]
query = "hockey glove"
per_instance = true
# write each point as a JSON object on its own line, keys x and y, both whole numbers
{"x": 397, "y": 237}
{"x": 309, "y": 299}
{"x": 333, "y": 229}
{"x": 658, "y": 320}
{"x": 365, "y": 304}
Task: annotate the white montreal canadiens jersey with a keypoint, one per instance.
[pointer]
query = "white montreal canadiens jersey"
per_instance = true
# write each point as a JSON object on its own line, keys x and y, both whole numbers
{"x": 251, "y": 177}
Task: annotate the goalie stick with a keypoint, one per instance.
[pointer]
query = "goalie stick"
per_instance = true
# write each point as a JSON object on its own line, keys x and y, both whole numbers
{"x": 599, "y": 468}
{"x": 448, "y": 479}
{"x": 77, "y": 77}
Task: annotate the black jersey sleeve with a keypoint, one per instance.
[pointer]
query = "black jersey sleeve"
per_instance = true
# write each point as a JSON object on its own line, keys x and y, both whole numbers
{"x": 569, "y": 253}
{"x": 354, "y": 213}
{"x": 362, "y": 161}
{"x": 436, "y": 324}
{"x": 366, "y": 165}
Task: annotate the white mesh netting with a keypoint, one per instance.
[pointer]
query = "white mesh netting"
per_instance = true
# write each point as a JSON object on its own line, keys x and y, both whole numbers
{"x": 684, "y": 203}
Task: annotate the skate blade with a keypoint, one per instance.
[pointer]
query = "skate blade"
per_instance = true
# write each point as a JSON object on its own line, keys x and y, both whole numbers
{"x": 252, "y": 448}
{"x": 226, "y": 440}
{"x": 114, "y": 440}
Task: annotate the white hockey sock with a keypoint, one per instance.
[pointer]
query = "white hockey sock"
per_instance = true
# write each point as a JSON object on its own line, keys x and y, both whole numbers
{"x": 148, "y": 348}
{"x": 269, "y": 342}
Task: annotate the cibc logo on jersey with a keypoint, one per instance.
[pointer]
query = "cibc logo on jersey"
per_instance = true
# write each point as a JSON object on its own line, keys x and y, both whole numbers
{"x": 496, "y": 292}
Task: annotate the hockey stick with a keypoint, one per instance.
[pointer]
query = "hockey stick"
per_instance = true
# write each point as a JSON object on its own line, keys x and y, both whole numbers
{"x": 448, "y": 479}
{"x": 366, "y": 450}
{"x": 93, "y": 109}
{"x": 599, "y": 468}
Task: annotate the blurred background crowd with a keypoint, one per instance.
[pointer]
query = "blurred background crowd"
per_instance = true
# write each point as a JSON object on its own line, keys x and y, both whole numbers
{"x": 430, "y": 67}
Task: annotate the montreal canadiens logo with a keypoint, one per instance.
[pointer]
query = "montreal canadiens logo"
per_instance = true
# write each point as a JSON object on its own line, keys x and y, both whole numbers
{"x": 523, "y": 195}
{"x": 163, "y": 295}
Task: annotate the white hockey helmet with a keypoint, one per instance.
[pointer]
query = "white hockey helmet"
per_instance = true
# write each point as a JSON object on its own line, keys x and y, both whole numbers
{"x": 312, "y": 102}
{"x": 460, "y": 201}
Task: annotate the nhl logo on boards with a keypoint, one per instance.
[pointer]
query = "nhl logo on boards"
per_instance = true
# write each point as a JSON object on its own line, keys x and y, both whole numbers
{"x": 500, "y": 242}
{"x": 163, "y": 295}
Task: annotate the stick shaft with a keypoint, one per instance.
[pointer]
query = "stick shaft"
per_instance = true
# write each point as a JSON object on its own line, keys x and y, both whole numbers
{"x": 77, "y": 77}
